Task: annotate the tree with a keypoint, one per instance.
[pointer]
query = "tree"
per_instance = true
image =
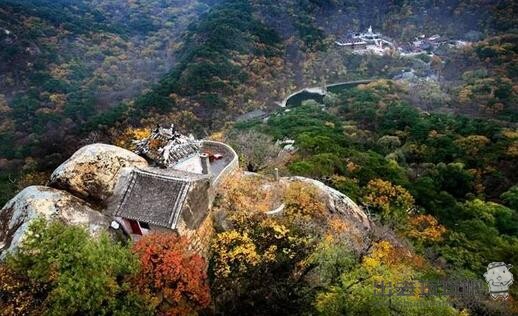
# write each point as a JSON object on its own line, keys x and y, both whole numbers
{"x": 429, "y": 94}
{"x": 511, "y": 197}
{"x": 79, "y": 274}
{"x": 472, "y": 145}
{"x": 348, "y": 186}
{"x": 389, "y": 143}
{"x": 331, "y": 99}
{"x": 256, "y": 266}
{"x": 354, "y": 293}
{"x": 256, "y": 149}
{"x": 171, "y": 277}
{"x": 425, "y": 228}
{"x": 392, "y": 202}
{"x": 454, "y": 179}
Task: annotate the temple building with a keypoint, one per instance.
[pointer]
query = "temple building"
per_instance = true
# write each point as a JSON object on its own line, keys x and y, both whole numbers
{"x": 176, "y": 192}
{"x": 366, "y": 42}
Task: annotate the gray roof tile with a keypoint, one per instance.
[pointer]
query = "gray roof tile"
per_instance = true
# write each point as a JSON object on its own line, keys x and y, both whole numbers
{"x": 156, "y": 198}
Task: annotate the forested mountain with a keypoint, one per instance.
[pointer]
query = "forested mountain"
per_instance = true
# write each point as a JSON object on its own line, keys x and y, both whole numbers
{"x": 70, "y": 69}
{"x": 64, "y": 63}
{"x": 428, "y": 147}
{"x": 300, "y": 51}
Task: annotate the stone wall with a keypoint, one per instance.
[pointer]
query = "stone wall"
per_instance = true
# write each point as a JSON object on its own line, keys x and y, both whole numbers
{"x": 227, "y": 151}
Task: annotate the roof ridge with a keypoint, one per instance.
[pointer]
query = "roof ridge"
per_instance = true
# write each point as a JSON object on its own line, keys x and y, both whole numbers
{"x": 182, "y": 199}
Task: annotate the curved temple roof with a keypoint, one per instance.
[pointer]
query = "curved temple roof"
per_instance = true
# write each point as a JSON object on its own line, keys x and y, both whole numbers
{"x": 157, "y": 198}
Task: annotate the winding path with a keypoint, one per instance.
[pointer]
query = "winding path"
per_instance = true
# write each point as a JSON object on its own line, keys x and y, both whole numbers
{"x": 321, "y": 91}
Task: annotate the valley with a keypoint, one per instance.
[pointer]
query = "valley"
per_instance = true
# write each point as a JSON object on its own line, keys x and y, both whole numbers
{"x": 368, "y": 152}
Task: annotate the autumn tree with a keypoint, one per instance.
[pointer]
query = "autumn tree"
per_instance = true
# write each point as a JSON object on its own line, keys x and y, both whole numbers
{"x": 392, "y": 202}
{"x": 304, "y": 200}
{"x": 256, "y": 149}
{"x": 171, "y": 277}
{"x": 425, "y": 228}
{"x": 354, "y": 292}
{"x": 255, "y": 266}
{"x": 472, "y": 145}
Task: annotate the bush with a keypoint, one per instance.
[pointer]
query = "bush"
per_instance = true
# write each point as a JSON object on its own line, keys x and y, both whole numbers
{"x": 75, "y": 273}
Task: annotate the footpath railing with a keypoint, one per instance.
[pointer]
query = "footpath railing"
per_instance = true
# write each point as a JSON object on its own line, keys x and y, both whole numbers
{"x": 226, "y": 151}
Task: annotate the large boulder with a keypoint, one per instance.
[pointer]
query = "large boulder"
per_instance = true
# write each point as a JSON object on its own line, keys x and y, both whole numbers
{"x": 359, "y": 226}
{"x": 41, "y": 201}
{"x": 92, "y": 171}
{"x": 355, "y": 226}
{"x": 338, "y": 203}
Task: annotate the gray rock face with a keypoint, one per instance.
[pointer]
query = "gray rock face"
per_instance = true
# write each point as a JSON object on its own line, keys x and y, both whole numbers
{"x": 92, "y": 171}
{"x": 40, "y": 201}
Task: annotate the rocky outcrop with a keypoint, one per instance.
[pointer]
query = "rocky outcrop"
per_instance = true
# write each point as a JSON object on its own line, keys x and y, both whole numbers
{"x": 92, "y": 171}
{"x": 339, "y": 203}
{"x": 359, "y": 226}
{"x": 341, "y": 216}
{"x": 41, "y": 201}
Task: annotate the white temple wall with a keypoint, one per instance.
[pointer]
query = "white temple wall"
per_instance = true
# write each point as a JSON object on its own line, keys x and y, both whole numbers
{"x": 192, "y": 164}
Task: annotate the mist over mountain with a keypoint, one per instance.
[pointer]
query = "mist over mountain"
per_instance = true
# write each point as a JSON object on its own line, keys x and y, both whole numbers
{"x": 409, "y": 109}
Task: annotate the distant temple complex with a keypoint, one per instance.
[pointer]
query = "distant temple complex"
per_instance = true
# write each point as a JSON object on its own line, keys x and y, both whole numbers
{"x": 364, "y": 42}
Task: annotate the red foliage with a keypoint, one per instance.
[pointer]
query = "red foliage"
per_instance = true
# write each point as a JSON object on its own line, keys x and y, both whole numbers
{"x": 174, "y": 278}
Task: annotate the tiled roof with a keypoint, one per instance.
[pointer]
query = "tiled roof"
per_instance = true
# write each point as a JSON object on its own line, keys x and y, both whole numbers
{"x": 156, "y": 198}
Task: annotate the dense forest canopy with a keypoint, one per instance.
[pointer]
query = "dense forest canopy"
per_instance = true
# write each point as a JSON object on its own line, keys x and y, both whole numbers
{"x": 428, "y": 148}
{"x": 236, "y": 55}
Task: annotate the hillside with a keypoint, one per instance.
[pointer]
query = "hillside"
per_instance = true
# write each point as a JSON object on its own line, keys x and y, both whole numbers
{"x": 67, "y": 67}
{"x": 410, "y": 176}
{"x": 236, "y": 57}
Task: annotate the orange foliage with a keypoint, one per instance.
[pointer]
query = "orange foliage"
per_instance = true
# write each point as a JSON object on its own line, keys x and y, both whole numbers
{"x": 304, "y": 200}
{"x": 393, "y": 201}
{"x": 171, "y": 277}
{"x": 426, "y": 228}
{"x": 387, "y": 254}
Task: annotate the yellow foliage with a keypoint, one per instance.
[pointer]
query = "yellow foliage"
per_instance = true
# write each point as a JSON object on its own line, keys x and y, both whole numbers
{"x": 234, "y": 251}
{"x": 58, "y": 99}
{"x": 255, "y": 240}
{"x": 126, "y": 138}
{"x": 472, "y": 144}
{"x": 426, "y": 228}
{"x": 389, "y": 256}
{"x": 329, "y": 124}
{"x": 248, "y": 194}
{"x": 305, "y": 200}
{"x": 217, "y": 136}
{"x": 386, "y": 196}
{"x": 512, "y": 150}
{"x": 510, "y": 133}
{"x": 352, "y": 167}
{"x": 465, "y": 95}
